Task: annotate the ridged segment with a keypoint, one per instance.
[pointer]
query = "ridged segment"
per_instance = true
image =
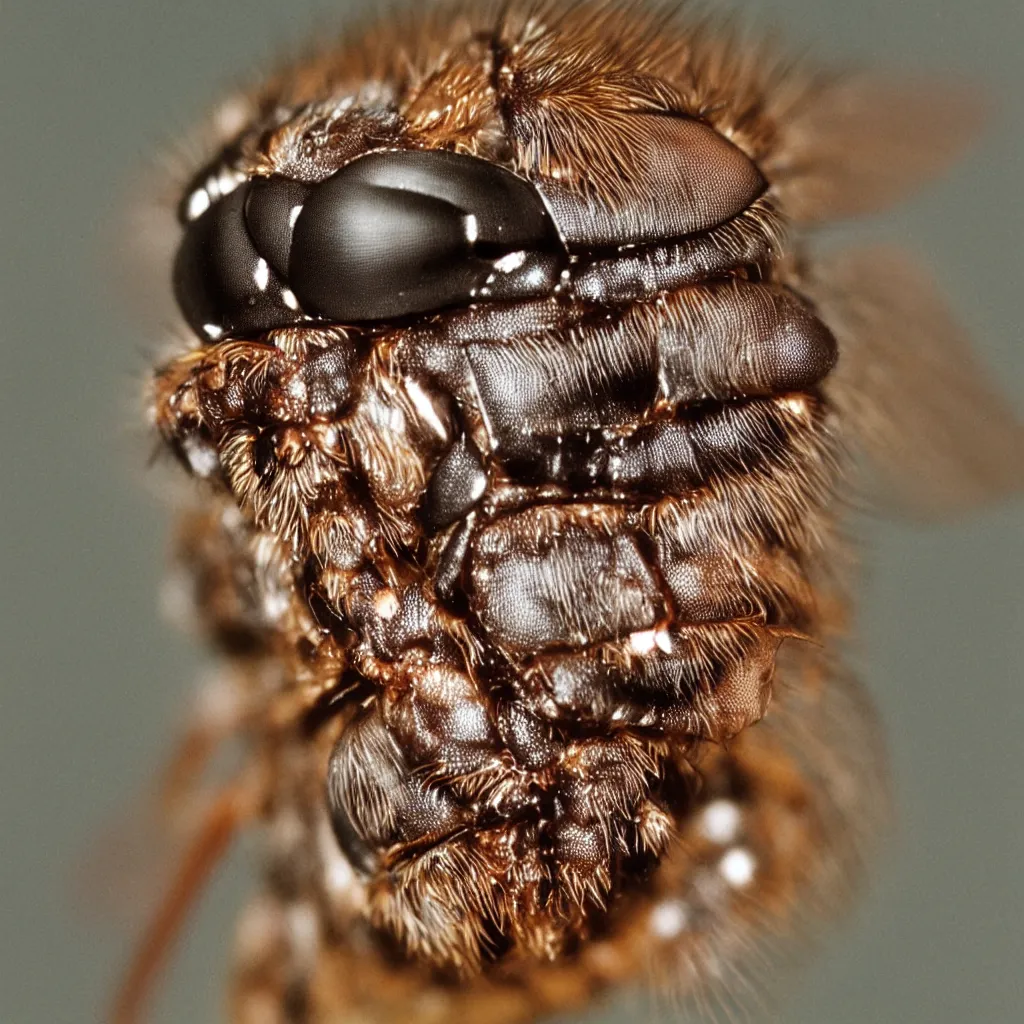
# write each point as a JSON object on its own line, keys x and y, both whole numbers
{"x": 512, "y": 571}
{"x": 552, "y": 559}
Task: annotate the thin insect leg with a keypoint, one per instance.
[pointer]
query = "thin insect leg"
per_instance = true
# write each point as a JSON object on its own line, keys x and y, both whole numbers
{"x": 218, "y": 714}
{"x": 222, "y": 820}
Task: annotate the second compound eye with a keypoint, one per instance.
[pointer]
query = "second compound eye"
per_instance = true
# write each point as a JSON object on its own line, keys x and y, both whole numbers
{"x": 680, "y": 177}
{"x": 223, "y": 283}
{"x": 402, "y": 232}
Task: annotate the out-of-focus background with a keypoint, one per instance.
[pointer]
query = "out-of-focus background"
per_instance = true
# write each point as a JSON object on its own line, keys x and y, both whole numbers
{"x": 92, "y": 681}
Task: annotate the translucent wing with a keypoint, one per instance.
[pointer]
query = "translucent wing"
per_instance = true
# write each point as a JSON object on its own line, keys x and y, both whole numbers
{"x": 810, "y": 783}
{"x": 911, "y": 395}
{"x": 857, "y": 144}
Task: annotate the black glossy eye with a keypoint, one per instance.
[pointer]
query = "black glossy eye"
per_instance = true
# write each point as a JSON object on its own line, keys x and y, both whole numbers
{"x": 271, "y": 208}
{"x": 222, "y": 284}
{"x": 390, "y": 234}
{"x": 401, "y": 232}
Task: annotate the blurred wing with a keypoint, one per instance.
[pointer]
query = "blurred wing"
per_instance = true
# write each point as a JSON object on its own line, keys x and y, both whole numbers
{"x": 856, "y": 145}
{"x": 911, "y": 394}
{"x": 810, "y": 783}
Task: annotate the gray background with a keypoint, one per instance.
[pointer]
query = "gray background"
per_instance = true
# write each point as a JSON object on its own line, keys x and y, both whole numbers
{"x": 92, "y": 680}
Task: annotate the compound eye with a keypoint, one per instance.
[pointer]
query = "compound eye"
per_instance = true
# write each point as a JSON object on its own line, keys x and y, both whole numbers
{"x": 222, "y": 284}
{"x": 403, "y": 232}
{"x": 679, "y": 177}
{"x": 271, "y": 209}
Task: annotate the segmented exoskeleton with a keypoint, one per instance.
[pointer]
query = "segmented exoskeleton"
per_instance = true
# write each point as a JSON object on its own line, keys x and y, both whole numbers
{"x": 517, "y": 401}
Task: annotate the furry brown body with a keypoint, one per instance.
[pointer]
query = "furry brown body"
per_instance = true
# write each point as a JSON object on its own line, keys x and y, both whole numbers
{"x": 506, "y": 583}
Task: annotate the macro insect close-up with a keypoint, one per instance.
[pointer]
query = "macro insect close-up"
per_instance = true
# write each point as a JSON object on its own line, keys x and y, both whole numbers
{"x": 521, "y": 409}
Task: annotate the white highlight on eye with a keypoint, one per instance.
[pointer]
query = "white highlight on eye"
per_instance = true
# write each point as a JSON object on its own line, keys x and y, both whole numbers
{"x": 198, "y": 203}
{"x": 261, "y": 275}
{"x": 288, "y": 298}
{"x": 738, "y": 867}
{"x": 472, "y": 228}
{"x": 212, "y": 331}
{"x": 425, "y": 407}
{"x": 668, "y": 918}
{"x": 720, "y": 822}
{"x": 293, "y": 215}
{"x": 228, "y": 180}
{"x": 511, "y": 261}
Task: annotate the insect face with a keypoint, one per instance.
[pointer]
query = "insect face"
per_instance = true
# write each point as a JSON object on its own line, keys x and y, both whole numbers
{"x": 522, "y": 444}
